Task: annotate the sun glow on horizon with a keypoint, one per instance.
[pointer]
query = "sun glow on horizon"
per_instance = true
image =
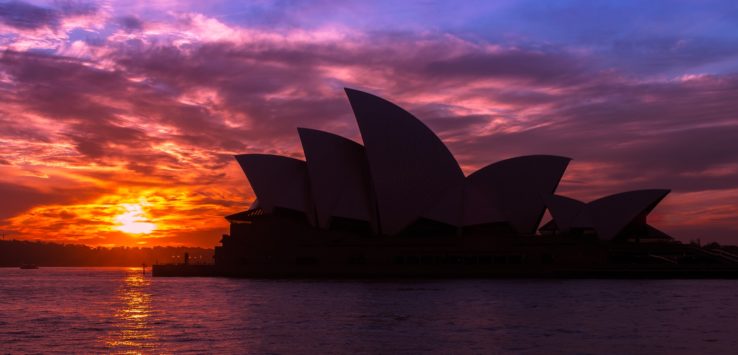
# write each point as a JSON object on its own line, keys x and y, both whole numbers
{"x": 134, "y": 220}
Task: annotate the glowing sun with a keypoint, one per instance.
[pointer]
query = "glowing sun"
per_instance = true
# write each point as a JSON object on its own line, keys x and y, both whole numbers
{"x": 134, "y": 221}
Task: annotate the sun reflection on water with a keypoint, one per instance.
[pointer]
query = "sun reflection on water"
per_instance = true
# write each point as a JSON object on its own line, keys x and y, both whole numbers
{"x": 133, "y": 331}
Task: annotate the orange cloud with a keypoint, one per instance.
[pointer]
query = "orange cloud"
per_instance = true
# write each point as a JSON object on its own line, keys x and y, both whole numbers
{"x": 149, "y": 112}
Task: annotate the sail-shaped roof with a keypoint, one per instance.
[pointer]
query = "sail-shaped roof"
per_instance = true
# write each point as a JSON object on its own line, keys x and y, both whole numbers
{"x": 609, "y": 215}
{"x": 449, "y": 207}
{"x": 404, "y": 173}
{"x": 478, "y": 209}
{"x": 516, "y": 186}
{"x": 409, "y": 166}
{"x": 338, "y": 175}
{"x": 277, "y": 181}
{"x": 564, "y": 210}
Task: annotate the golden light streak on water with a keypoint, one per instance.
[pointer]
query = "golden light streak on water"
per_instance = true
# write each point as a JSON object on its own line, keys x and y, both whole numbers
{"x": 134, "y": 331}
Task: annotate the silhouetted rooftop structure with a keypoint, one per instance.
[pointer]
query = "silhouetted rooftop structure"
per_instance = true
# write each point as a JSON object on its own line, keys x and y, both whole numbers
{"x": 404, "y": 177}
{"x": 400, "y": 205}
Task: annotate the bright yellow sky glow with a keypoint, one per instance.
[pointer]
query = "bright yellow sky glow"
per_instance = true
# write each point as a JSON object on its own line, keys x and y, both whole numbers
{"x": 134, "y": 221}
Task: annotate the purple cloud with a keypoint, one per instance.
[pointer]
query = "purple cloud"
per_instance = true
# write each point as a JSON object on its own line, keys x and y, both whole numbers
{"x": 165, "y": 102}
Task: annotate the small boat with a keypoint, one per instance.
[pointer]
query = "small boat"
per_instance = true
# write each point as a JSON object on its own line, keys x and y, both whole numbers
{"x": 29, "y": 266}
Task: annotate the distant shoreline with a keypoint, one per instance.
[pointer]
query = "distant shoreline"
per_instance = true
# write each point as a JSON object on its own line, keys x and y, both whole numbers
{"x": 14, "y": 253}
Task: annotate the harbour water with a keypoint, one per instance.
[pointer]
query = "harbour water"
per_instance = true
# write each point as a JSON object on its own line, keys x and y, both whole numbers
{"x": 119, "y": 310}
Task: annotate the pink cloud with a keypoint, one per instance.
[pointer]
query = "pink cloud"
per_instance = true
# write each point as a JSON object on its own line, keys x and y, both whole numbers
{"x": 163, "y": 105}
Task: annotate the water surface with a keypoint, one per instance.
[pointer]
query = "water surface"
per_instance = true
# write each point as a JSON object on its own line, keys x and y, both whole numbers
{"x": 119, "y": 310}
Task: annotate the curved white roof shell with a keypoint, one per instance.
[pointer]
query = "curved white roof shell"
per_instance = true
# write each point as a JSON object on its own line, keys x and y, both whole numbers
{"x": 404, "y": 172}
{"x": 478, "y": 209}
{"x": 409, "y": 165}
{"x": 564, "y": 210}
{"x": 338, "y": 175}
{"x": 277, "y": 181}
{"x": 516, "y": 186}
{"x": 611, "y": 214}
{"x": 448, "y": 207}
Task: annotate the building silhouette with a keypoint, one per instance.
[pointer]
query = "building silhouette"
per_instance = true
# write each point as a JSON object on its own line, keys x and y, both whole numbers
{"x": 400, "y": 205}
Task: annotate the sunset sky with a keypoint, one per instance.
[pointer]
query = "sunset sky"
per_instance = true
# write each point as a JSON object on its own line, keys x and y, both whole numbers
{"x": 119, "y": 119}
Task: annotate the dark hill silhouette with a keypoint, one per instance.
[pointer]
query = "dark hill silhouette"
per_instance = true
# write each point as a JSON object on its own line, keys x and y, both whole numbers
{"x": 16, "y": 252}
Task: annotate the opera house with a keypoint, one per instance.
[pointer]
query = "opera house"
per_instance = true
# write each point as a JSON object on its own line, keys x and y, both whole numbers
{"x": 400, "y": 205}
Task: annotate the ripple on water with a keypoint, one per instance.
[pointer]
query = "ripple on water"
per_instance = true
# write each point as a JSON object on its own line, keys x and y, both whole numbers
{"x": 72, "y": 310}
